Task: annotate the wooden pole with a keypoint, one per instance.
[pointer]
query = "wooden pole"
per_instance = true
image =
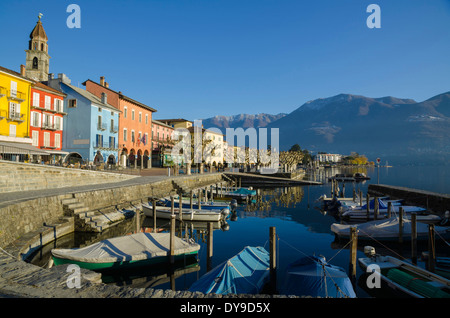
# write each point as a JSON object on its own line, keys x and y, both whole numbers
{"x": 353, "y": 252}
{"x": 413, "y": 238}
{"x": 376, "y": 207}
{"x": 332, "y": 188}
{"x": 368, "y": 206}
{"x": 191, "y": 201}
{"x": 389, "y": 211}
{"x": 209, "y": 247}
{"x": 400, "y": 224}
{"x": 154, "y": 214}
{"x": 199, "y": 199}
{"x": 273, "y": 259}
{"x": 180, "y": 208}
{"x": 431, "y": 248}
{"x": 172, "y": 238}
{"x": 360, "y": 197}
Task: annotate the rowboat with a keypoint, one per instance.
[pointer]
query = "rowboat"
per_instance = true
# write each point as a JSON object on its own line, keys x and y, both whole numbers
{"x": 187, "y": 214}
{"x": 245, "y": 273}
{"x": 135, "y": 250}
{"x": 313, "y": 276}
{"x": 405, "y": 277}
{"x": 208, "y": 205}
{"x": 386, "y": 230}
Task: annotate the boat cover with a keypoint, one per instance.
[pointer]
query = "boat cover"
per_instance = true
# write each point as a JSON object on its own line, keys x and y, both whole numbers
{"x": 245, "y": 191}
{"x": 139, "y": 246}
{"x": 313, "y": 276}
{"x": 385, "y": 228}
{"x": 381, "y": 204}
{"x": 245, "y": 273}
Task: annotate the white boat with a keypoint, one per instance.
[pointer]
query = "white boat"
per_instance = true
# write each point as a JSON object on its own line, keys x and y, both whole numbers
{"x": 405, "y": 277}
{"x": 186, "y": 214}
{"x": 386, "y": 230}
{"x": 140, "y": 249}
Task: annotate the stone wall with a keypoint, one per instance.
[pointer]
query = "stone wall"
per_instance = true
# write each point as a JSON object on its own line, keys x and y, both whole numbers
{"x": 16, "y": 176}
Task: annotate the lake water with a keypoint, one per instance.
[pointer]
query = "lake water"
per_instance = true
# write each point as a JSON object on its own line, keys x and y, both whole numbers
{"x": 302, "y": 228}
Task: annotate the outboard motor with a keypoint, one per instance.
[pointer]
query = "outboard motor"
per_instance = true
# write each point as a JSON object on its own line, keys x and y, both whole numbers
{"x": 446, "y": 219}
{"x": 225, "y": 212}
{"x": 369, "y": 251}
{"x": 233, "y": 204}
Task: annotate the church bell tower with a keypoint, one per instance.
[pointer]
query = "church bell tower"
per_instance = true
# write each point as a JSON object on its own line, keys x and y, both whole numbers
{"x": 37, "y": 58}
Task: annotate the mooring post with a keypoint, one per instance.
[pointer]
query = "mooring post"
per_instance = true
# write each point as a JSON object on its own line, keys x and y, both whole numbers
{"x": 209, "y": 247}
{"x": 180, "y": 208}
{"x": 192, "y": 199}
{"x": 199, "y": 199}
{"x": 332, "y": 188}
{"x": 353, "y": 251}
{"x": 273, "y": 259}
{"x": 389, "y": 211}
{"x": 360, "y": 197}
{"x": 431, "y": 248}
{"x": 413, "y": 238}
{"x": 400, "y": 224}
{"x": 375, "y": 208}
{"x": 138, "y": 220}
{"x": 368, "y": 206}
{"x": 172, "y": 238}
{"x": 343, "y": 190}
{"x": 154, "y": 214}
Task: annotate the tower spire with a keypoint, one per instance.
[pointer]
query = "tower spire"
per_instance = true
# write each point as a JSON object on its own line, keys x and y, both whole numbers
{"x": 37, "y": 59}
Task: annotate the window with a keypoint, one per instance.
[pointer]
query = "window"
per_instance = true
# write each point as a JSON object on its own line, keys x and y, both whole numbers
{"x": 140, "y": 117}
{"x": 36, "y": 99}
{"x": 58, "y": 123}
{"x": 58, "y": 105}
{"x": 48, "y": 102}
{"x": 146, "y": 119}
{"x": 99, "y": 140}
{"x": 125, "y": 111}
{"x": 46, "y": 139}
{"x": 13, "y": 89}
{"x": 14, "y": 110}
{"x": 35, "y": 137}
{"x": 35, "y": 119}
{"x": 132, "y": 136}
{"x": 132, "y": 114}
{"x": 124, "y": 134}
{"x": 12, "y": 130}
{"x": 72, "y": 103}
{"x": 57, "y": 140}
{"x": 35, "y": 60}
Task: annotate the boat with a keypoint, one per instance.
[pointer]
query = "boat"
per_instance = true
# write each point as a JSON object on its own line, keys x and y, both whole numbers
{"x": 313, "y": 276}
{"x": 208, "y": 205}
{"x": 360, "y": 176}
{"x": 241, "y": 194}
{"x": 360, "y": 212}
{"x": 342, "y": 177}
{"x": 386, "y": 230}
{"x": 135, "y": 250}
{"x": 164, "y": 212}
{"x": 405, "y": 277}
{"x": 245, "y": 273}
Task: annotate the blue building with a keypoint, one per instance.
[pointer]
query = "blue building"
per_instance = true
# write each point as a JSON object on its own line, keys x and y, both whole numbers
{"x": 91, "y": 126}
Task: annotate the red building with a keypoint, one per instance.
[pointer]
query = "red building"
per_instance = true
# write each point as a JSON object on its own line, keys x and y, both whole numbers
{"x": 46, "y": 120}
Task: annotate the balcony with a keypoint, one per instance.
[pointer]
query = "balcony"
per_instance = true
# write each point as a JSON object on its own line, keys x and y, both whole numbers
{"x": 3, "y": 91}
{"x": 49, "y": 126}
{"x": 3, "y": 114}
{"x": 114, "y": 129}
{"x": 105, "y": 145}
{"x": 15, "y": 116}
{"x": 16, "y": 96}
{"x": 101, "y": 126}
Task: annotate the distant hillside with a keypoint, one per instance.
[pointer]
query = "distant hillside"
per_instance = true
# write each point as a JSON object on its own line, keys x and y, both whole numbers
{"x": 384, "y": 127}
{"x": 241, "y": 120}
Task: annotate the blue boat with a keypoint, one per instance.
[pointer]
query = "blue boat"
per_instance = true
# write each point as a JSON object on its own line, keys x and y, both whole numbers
{"x": 245, "y": 273}
{"x": 313, "y": 276}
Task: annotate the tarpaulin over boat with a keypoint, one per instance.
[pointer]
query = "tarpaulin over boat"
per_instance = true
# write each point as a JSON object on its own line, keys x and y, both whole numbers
{"x": 139, "y": 246}
{"x": 381, "y": 204}
{"x": 245, "y": 273}
{"x": 313, "y": 276}
{"x": 245, "y": 191}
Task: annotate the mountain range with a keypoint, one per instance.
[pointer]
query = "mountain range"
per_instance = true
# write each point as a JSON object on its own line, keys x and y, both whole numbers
{"x": 394, "y": 129}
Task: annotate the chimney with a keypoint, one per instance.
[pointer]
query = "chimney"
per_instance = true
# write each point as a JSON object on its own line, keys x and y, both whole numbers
{"x": 22, "y": 70}
{"x": 102, "y": 80}
{"x": 104, "y": 98}
{"x": 106, "y": 85}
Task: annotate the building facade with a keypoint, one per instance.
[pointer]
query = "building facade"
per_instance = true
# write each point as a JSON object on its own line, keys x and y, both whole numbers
{"x": 135, "y": 125}
{"x": 162, "y": 144}
{"x": 46, "y": 121}
{"x": 90, "y": 126}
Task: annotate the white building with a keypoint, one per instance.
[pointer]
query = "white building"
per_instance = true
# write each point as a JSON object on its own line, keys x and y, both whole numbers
{"x": 328, "y": 157}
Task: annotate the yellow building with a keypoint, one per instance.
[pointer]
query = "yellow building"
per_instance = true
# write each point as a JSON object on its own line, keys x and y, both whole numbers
{"x": 14, "y": 107}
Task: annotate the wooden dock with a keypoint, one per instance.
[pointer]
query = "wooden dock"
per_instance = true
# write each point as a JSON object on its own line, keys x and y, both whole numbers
{"x": 261, "y": 180}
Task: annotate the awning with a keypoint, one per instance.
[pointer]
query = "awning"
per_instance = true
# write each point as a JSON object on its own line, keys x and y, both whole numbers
{"x": 16, "y": 148}
{"x": 57, "y": 152}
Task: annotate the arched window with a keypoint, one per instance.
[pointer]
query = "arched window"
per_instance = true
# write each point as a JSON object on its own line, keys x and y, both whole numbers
{"x": 42, "y": 46}
{"x": 35, "y": 63}
{"x": 35, "y": 46}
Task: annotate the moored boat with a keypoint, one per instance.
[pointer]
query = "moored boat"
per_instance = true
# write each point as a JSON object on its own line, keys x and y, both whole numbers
{"x": 405, "y": 277}
{"x": 140, "y": 249}
{"x": 313, "y": 276}
{"x": 245, "y": 273}
{"x": 187, "y": 214}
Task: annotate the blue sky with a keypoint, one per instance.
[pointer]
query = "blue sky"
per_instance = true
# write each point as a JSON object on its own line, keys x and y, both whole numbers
{"x": 200, "y": 58}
